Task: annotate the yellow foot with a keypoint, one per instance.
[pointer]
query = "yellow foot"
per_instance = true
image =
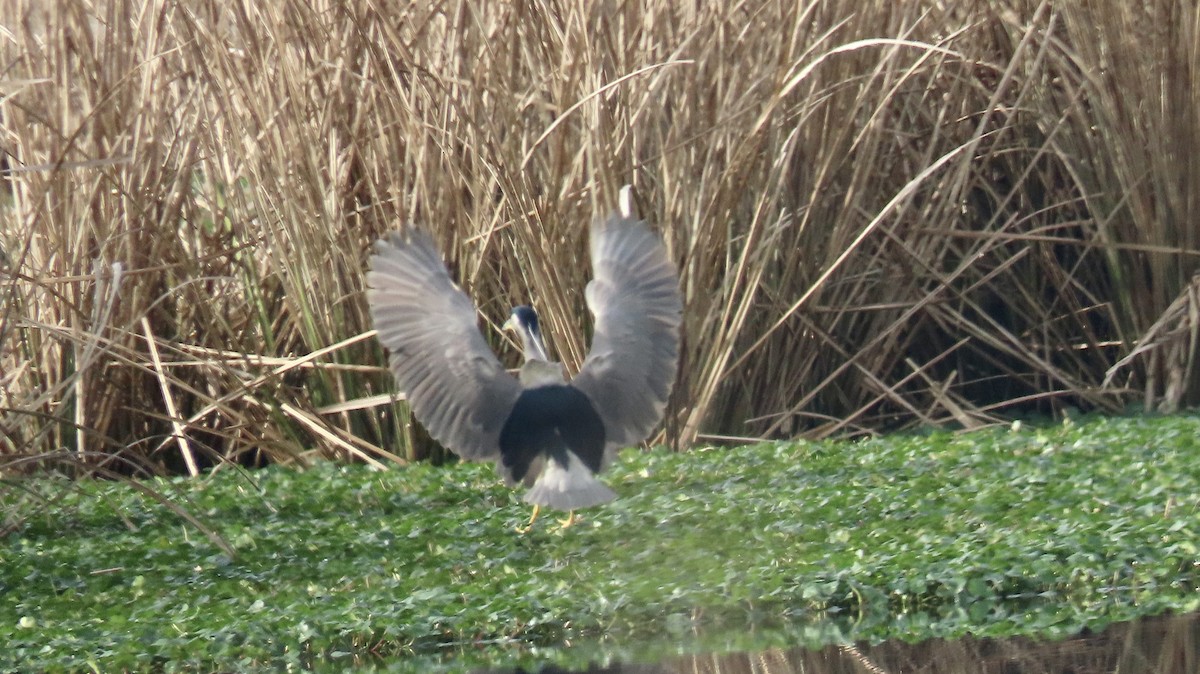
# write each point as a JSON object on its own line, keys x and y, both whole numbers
{"x": 569, "y": 521}
{"x": 526, "y": 529}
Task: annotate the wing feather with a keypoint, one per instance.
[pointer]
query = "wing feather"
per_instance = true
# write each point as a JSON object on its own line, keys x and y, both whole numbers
{"x": 637, "y": 307}
{"x": 455, "y": 385}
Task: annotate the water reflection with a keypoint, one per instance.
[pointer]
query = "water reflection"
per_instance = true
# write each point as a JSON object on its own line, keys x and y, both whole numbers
{"x": 1163, "y": 645}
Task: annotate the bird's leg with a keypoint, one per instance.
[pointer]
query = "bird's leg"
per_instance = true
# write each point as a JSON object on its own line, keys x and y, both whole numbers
{"x": 569, "y": 521}
{"x": 525, "y": 529}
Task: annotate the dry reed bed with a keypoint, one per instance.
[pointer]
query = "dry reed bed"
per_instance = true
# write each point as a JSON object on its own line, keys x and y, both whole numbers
{"x": 885, "y": 213}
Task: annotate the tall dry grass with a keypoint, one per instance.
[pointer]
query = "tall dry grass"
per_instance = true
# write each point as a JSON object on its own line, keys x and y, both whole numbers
{"x": 884, "y": 213}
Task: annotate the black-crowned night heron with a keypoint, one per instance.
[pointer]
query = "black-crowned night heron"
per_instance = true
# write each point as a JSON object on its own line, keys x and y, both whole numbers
{"x": 541, "y": 430}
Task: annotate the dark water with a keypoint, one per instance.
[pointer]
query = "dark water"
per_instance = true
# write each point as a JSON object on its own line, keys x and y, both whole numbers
{"x": 1161, "y": 645}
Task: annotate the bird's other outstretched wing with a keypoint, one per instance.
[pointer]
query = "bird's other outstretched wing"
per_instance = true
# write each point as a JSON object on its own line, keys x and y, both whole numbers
{"x": 454, "y": 383}
{"x": 635, "y": 300}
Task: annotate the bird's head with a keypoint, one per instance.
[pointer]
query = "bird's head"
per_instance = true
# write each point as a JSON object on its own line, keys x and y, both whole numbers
{"x": 523, "y": 320}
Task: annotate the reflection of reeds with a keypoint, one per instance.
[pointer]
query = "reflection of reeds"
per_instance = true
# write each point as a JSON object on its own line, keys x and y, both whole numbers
{"x": 1146, "y": 646}
{"x": 885, "y": 213}
{"x": 1165, "y": 645}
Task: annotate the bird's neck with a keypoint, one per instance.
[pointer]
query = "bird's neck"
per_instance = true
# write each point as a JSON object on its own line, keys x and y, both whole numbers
{"x": 536, "y": 373}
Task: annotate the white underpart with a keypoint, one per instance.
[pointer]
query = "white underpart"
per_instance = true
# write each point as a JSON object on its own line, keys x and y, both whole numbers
{"x": 568, "y": 488}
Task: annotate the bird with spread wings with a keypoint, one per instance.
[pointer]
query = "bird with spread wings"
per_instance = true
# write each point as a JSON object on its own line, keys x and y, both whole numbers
{"x": 550, "y": 434}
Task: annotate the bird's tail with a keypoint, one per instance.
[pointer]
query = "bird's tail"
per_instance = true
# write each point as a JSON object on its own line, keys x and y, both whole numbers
{"x": 574, "y": 486}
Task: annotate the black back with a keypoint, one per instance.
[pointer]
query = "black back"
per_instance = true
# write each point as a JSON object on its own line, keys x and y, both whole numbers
{"x": 551, "y": 420}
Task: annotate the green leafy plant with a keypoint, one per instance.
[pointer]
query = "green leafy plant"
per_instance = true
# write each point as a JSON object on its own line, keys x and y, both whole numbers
{"x": 1035, "y": 531}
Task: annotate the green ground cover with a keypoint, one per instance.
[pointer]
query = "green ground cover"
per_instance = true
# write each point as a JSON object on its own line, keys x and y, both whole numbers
{"x": 1038, "y": 530}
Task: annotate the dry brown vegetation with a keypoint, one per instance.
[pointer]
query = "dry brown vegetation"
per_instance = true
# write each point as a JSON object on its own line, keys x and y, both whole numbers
{"x": 884, "y": 213}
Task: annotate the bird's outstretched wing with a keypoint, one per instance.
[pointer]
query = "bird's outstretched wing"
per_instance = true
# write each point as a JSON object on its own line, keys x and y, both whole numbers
{"x": 634, "y": 297}
{"x": 452, "y": 380}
